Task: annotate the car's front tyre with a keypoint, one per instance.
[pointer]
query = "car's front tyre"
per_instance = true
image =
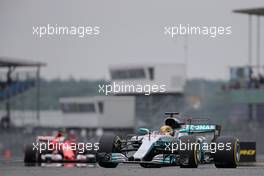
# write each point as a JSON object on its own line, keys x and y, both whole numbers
{"x": 30, "y": 155}
{"x": 191, "y": 156}
{"x": 109, "y": 143}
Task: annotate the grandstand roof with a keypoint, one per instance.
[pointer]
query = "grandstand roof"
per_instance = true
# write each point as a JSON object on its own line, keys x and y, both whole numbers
{"x": 251, "y": 11}
{"x": 9, "y": 62}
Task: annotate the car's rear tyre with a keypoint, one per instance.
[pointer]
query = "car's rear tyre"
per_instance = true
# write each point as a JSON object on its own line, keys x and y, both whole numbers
{"x": 191, "y": 155}
{"x": 229, "y": 157}
{"x": 30, "y": 155}
{"x": 109, "y": 143}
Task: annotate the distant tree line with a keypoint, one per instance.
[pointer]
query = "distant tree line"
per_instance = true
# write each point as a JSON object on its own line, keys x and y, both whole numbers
{"x": 52, "y": 90}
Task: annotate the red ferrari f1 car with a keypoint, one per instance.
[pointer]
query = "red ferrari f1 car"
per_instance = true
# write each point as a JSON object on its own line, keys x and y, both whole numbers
{"x": 57, "y": 149}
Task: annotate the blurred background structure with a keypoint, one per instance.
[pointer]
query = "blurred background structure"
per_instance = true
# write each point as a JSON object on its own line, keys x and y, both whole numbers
{"x": 149, "y": 109}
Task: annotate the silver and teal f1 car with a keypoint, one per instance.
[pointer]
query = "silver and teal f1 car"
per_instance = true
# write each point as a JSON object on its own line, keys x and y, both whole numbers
{"x": 178, "y": 143}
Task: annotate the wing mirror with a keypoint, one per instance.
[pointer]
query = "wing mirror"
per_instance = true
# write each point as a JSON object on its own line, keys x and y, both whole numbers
{"x": 143, "y": 131}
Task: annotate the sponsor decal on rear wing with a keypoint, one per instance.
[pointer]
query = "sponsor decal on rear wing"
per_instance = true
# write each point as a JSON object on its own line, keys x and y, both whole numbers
{"x": 198, "y": 128}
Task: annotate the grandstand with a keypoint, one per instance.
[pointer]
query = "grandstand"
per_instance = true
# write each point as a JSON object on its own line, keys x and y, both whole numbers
{"x": 245, "y": 90}
{"x": 16, "y": 77}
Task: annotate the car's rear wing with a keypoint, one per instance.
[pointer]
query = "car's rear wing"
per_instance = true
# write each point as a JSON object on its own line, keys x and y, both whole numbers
{"x": 201, "y": 128}
{"x": 197, "y": 120}
{"x": 49, "y": 138}
{"x": 201, "y": 125}
{"x": 45, "y": 138}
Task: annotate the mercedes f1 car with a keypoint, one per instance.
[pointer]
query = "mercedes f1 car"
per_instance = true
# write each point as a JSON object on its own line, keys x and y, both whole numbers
{"x": 185, "y": 143}
{"x": 56, "y": 149}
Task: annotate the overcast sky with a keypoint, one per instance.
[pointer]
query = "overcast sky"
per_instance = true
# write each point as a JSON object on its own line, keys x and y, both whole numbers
{"x": 131, "y": 32}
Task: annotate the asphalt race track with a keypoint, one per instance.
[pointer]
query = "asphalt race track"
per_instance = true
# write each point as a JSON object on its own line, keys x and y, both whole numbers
{"x": 17, "y": 168}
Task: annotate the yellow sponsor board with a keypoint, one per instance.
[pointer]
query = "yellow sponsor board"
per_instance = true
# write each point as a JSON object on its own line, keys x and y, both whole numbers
{"x": 248, "y": 152}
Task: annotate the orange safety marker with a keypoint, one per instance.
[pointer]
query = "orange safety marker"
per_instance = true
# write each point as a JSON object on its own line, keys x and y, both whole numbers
{"x": 7, "y": 153}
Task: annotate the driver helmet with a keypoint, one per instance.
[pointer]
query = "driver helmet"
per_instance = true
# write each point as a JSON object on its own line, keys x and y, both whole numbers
{"x": 167, "y": 130}
{"x": 60, "y": 133}
{"x": 174, "y": 123}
